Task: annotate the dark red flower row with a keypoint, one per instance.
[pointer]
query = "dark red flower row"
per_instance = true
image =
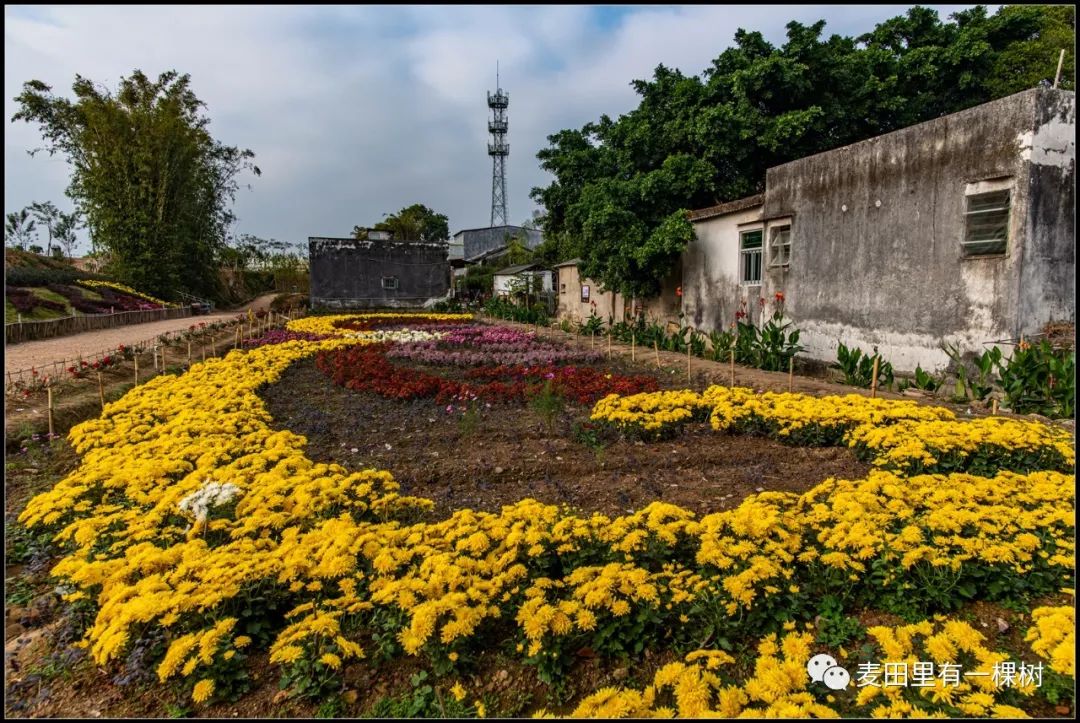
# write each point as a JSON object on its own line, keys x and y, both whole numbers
{"x": 384, "y": 322}
{"x": 366, "y": 368}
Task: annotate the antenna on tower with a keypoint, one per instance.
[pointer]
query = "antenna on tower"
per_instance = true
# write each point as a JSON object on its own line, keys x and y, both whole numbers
{"x": 498, "y": 149}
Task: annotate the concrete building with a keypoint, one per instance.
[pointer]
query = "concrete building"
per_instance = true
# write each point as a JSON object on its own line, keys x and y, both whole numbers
{"x": 474, "y": 244}
{"x": 519, "y": 278}
{"x": 959, "y": 230}
{"x": 579, "y": 297}
{"x": 350, "y": 274}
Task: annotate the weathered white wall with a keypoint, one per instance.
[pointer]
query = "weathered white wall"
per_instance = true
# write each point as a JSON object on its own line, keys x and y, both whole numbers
{"x": 712, "y": 292}
{"x": 877, "y": 226}
{"x": 502, "y": 284}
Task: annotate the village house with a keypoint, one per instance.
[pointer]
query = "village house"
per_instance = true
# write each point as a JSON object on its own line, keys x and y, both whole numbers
{"x": 527, "y": 278}
{"x": 958, "y": 231}
{"x": 347, "y": 273}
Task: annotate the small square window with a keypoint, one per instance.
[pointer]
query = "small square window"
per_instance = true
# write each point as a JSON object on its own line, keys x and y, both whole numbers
{"x": 780, "y": 246}
{"x": 986, "y": 224}
{"x": 750, "y": 250}
{"x": 390, "y": 282}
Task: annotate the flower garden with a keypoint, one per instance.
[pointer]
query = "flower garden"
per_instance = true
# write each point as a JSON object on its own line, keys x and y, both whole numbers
{"x": 199, "y": 539}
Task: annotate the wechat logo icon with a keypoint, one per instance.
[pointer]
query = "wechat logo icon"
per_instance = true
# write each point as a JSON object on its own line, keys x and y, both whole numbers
{"x": 823, "y": 669}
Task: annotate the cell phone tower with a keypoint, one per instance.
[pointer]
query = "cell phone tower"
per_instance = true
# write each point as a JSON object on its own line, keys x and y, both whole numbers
{"x": 498, "y": 149}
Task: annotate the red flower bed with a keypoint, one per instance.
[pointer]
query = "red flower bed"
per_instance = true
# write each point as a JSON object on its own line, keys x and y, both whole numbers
{"x": 366, "y": 368}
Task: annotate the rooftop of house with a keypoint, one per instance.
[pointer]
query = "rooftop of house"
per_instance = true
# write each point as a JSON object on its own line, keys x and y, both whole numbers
{"x": 722, "y": 209}
{"x": 511, "y": 270}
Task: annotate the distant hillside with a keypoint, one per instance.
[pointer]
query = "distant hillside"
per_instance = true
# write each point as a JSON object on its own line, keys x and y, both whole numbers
{"x": 40, "y": 287}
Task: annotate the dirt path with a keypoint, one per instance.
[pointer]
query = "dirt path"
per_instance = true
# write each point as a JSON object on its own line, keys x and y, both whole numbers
{"x": 705, "y": 372}
{"x": 43, "y": 353}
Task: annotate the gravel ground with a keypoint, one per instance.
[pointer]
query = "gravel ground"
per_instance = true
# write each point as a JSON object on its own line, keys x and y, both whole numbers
{"x": 45, "y": 352}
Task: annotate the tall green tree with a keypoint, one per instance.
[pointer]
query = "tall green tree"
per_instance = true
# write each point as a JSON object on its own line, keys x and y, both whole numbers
{"x": 64, "y": 231}
{"x": 620, "y": 187}
{"x": 153, "y": 185}
{"x": 48, "y": 216}
{"x": 19, "y": 229}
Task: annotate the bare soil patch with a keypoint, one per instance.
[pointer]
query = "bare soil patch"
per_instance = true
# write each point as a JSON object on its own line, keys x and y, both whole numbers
{"x": 510, "y": 454}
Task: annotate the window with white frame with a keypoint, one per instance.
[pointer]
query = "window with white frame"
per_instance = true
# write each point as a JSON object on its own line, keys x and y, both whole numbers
{"x": 389, "y": 282}
{"x": 780, "y": 246}
{"x": 750, "y": 243}
{"x": 986, "y": 223}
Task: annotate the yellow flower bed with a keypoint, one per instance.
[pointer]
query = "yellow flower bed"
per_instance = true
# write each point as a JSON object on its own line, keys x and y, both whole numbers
{"x": 1053, "y": 637}
{"x": 328, "y": 324}
{"x": 648, "y": 411}
{"x": 124, "y": 289}
{"x": 791, "y": 412}
{"x": 780, "y": 687}
{"x": 895, "y": 434}
{"x": 923, "y": 441}
{"x": 188, "y": 508}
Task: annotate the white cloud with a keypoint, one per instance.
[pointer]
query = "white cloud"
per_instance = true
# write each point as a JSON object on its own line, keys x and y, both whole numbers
{"x": 354, "y": 111}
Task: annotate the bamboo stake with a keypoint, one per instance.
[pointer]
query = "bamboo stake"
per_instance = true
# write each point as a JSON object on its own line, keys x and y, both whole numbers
{"x": 48, "y": 389}
{"x": 688, "y": 358}
{"x": 163, "y": 359}
{"x": 1057, "y": 75}
{"x": 189, "y": 354}
{"x": 873, "y": 382}
{"x": 101, "y": 391}
{"x": 656, "y": 348}
{"x": 136, "y": 357}
{"x": 609, "y": 344}
{"x": 633, "y": 346}
{"x": 592, "y": 339}
{"x": 203, "y": 350}
{"x": 790, "y": 374}
{"x": 155, "y": 350}
{"x": 733, "y": 367}
{"x": 993, "y": 406}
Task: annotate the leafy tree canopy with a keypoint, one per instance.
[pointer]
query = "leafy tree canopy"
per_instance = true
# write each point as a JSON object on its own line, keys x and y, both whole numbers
{"x": 154, "y": 187}
{"x": 621, "y": 187}
{"x": 414, "y": 223}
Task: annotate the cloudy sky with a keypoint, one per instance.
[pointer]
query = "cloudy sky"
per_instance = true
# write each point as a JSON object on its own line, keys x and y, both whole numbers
{"x": 355, "y": 111}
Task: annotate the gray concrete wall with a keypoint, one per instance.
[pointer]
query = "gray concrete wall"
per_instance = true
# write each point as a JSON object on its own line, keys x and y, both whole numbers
{"x": 1047, "y": 283}
{"x": 876, "y": 230}
{"x": 347, "y": 273}
{"x": 478, "y": 240}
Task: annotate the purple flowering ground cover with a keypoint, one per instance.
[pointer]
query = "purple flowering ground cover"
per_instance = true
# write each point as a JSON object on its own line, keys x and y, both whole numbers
{"x": 468, "y": 346}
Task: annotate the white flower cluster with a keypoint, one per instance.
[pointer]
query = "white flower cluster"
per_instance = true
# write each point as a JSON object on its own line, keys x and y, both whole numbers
{"x": 211, "y": 494}
{"x": 398, "y": 335}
